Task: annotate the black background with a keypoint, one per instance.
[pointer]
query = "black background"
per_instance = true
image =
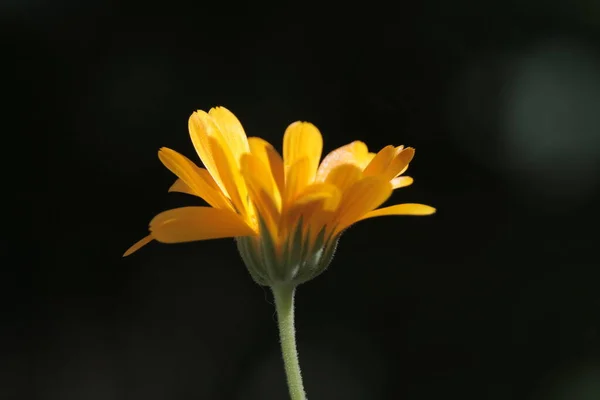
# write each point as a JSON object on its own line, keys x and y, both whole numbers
{"x": 494, "y": 297}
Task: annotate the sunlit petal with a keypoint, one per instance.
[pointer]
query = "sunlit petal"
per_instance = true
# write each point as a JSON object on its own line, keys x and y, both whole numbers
{"x": 262, "y": 190}
{"x": 400, "y": 163}
{"x": 197, "y": 180}
{"x": 355, "y": 153}
{"x": 202, "y": 128}
{"x": 362, "y": 197}
{"x": 302, "y": 140}
{"x": 230, "y": 175}
{"x": 271, "y": 158}
{"x": 188, "y": 224}
{"x": 180, "y": 186}
{"x": 401, "y": 209}
{"x": 401, "y": 181}
{"x": 296, "y": 180}
{"x": 344, "y": 175}
{"x": 380, "y": 163}
{"x": 231, "y": 130}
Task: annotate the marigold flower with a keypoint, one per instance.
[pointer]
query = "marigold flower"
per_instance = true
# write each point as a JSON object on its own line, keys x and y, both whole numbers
{"x": 286, "y": 213}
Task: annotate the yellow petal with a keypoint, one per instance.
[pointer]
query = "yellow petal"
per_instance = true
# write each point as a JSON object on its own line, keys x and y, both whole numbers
{"x": 141, "y": 243}
{"x": 320, "y": 191}
{"x": 362, "y": 197}
{"x": 302, "y": 140}
{"x": 381, "y": 161}
{"x": 269, "y": 157}
{"x": 232, "y": 131}
{"x": 400, "y": 163}
{"x": 355, "y": 153}
{"x": 262, "y": 190}
{"x": 401, "y": 181}
{"x": 180, "y": 186}
{"x": 401, "y": 209}
{"x": 296, "y": 180}
{"x": 202, "y": 128}
{"x": 316, "y": 204}
{"x": 230, "y": 175}
{"x": 189, "y": 224}
{"x": 344, "y": 175}
{"x": 197, "y": 180}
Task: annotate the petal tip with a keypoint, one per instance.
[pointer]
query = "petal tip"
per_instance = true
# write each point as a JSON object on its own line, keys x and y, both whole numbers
{"x": 141, "y": 243}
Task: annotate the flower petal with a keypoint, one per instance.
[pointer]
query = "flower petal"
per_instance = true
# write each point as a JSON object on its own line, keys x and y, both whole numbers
{"x": 401, "y": 209}
{"x": 202, "y": 128}
{"x": 270, "y": 157}
{"x": 189, "y": 224}
{"x": 316, "y": 205}
{"x": 320, "y": 191}
{"x": 141, "y": 243}
{"x": 355, "y": 153}
{"x": 381, "y": 161}
{"x": 400, "y": 163}
{"x": 401, "y": 181}
{"x": 363, "y": 196}
{"x": 180, "y": 186}
{"x": 344, "y": 175}
{"x": 232, "y": 131}
{"x": 302, "y": 140}
{"x": 230, "y": 175}
{"x": 296, "y": 180}
{"x": 197, "y": 180}
{"x": 262, "y": 190}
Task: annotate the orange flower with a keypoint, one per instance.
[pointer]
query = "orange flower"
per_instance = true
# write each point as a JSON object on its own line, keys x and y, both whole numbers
{"x": 286, "y": 213}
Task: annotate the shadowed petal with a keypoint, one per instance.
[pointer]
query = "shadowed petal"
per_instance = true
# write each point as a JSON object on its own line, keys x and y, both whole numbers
{"x": 362, "y": 197}
{"x": 141, "y": 243}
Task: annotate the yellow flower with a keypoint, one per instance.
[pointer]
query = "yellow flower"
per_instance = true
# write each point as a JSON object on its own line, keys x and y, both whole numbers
{"x": 286, "y": 213}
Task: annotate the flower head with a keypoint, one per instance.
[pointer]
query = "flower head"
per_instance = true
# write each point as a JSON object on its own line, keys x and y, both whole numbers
{"x": 286, "y": 213}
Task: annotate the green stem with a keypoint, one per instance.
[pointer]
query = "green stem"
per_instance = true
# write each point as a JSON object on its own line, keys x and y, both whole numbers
{"x": 284, "y": 304}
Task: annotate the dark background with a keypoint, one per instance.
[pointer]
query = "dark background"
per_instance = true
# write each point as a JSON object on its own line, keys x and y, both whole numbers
{"x": 495, "y": 297}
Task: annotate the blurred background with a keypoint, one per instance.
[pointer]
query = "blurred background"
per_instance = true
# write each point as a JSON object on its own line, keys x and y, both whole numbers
{"x": 494, "y": 297}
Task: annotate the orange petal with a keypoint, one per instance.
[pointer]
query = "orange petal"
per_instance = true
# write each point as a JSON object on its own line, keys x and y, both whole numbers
{"x": 362, "y": 197}
{"x": 355, "y": 153}
{"x": 197, "y": 180}
{"x": 296, "y": 180}
{"x": 189, "y": 224}
{"x": 320, "y": 191}
{"x": 344, "y": 175}
{"x": 380, "y": 163}
{"x": 400, "y": 163}
{"x": 230, "y": 175}
{"x": 180, "y": 186}
{"x": 302, "y": 140}
{"x": 401, "y": 209}
{"x": 269, "y": 157}
{"x": 316, "y": 204}
{"x": 401, "y": 181}
{"x": 262, "y": 189}
{"x": 232, "y": 131}
{"x": 141, "y": 243}
{"x": 202, "y": 128}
